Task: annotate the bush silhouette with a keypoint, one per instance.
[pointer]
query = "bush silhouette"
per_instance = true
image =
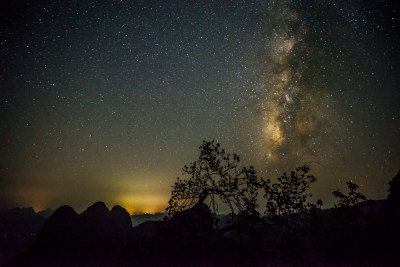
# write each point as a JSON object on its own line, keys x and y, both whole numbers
{"x": 289, "y": 195}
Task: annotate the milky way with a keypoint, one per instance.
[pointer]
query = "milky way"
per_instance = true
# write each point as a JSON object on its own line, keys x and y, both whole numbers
{"x": 295, "y": 118}
{"x": 108, "y": 100}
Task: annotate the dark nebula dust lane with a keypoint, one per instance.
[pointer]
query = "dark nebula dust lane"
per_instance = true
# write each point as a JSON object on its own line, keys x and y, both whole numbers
{"x": 108, "y": 100}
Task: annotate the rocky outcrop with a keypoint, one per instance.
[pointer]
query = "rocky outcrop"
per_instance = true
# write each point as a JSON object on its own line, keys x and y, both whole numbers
{"x": 194, "y": 223}
{"x": 387, "y": 232}
{"x": 121, "y": 219}
{"x": 393, "y": 199}
{"x": 187, "y": 235}
{"x": 390, "y": 214}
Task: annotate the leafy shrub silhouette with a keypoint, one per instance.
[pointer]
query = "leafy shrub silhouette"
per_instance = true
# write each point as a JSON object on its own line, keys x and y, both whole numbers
{"x": 216, "y": 175}
{"x": 352, "y": 198}
{"x": 289, "y": 195}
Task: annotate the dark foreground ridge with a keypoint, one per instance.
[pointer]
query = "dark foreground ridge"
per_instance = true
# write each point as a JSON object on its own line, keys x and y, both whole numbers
{"x": 18, "y": 230}
{"x": 359, "y": 235}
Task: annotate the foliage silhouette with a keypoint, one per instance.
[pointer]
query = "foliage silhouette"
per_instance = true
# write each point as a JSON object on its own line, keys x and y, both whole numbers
{"x": 289, "y": 195}
{"x": 216, "y": 175}
{"x": 352, "y": 198}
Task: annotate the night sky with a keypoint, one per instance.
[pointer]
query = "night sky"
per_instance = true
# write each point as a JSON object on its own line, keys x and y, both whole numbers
{"x": 107, "y": 100}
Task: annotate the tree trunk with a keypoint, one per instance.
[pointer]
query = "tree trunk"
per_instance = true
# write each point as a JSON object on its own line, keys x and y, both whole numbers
{"x": 203, "y": 196}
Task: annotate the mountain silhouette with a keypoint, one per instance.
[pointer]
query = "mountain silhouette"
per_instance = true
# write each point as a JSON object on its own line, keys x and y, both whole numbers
{"x": 95, "y": 235}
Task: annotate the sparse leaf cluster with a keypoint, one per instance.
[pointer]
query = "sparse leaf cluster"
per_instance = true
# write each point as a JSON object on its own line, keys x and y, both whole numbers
{"x": 352, "y": 198}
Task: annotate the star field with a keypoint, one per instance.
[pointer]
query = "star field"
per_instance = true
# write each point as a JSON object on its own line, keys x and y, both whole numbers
{"x": 107, "y": 100}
